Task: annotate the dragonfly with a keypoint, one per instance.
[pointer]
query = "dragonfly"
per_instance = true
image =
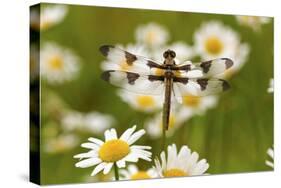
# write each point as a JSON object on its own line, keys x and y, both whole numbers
{"x": 146, "y": 76}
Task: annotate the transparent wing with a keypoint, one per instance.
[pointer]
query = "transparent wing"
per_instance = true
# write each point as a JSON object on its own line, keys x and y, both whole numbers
{"x": 198, "y": 87}
{"x": 134, "y": 82}
{"x": 119, "y": 59}
{"x": 204, "y": 69}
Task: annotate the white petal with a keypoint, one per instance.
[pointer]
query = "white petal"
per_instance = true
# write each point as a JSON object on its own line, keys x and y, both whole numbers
{"x": 163, "y": 159}
{"x": 133, "y": 169}
{"x": 108, "y": 136}
{"x": 96, "y": 141}
{"x": 131, "y": 158}
{"x": 136, "y": 136}
{"x": 158, "y": 168}
{"x": 141, "y": 156}
{"x": 270, "y": 164}
{"x": 121, "y": 163}
{"x": 270, "y": 153}
{"x": 126, "y": 135}
{"x": 98, "y": 168}
{"x": 90, "y": 146}
{"x": 113, "y": 134}
{"x": 141, "y": 153}
{"x": 192, "y": 161}
{"x": 172, "y": 156}
{"x": 86, "y": 155}
{"x": 88, "y": 162}
{"x": 200, "y": 167}
{"x": 107, "y": 168}
{"x": 140, "y": 147}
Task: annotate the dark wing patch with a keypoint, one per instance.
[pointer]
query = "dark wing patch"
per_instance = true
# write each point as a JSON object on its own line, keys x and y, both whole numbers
{"x": 199, "y": 87}
{"x": 206, "y": 66}
{"x": 132, "y": 77}
{"x": 105, "y": 75}
{"x": 105, "y": 49}
{"x": 155, "y": 78}
{"x": 228, "y": 62}
{"x": 182, "y": 80}
{"x": 130, "y": 58}
{"x": 203, "y": 83}
{"x": 141, "y": 84}
{"x": 135, "y": 63}
{"x": 212, "y": 67}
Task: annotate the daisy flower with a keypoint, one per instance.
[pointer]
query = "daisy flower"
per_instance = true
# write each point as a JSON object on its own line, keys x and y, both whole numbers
{"x": 48, "y": 16}
{"x": 197, "y": 105}
{"x": 154, "y": 126}
{"x": 133, "y": 173}
{"x": 57, "y": 63}
{"x": 184, "y": 163}
{"x": 60, "y": 143}
{"x": 183, "y": 51}
{"x": 254, "y": 22}
{"x": 117, "y": 61}
{"x": 94, "y": 122}
{"x": 144, "y": 103}
{"x": 113, "y": 151}
{"x": 215, "y": 40}
{"x": 151, "y": 35}
{"x": 270, "y": 153}
{"x": 270, "y": 89}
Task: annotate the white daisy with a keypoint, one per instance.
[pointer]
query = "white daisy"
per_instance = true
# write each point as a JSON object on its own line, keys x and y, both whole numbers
{"x": 94, "y": 122}
{"x": 215, "y": 40}
{"x": 197, "y": 105}
{"x": 183, "y": 51}
{"x": 140, "y": 102}
{"x": 57, "y": 63}
{"x": 154, "y": 126}
{"x": 254, "y": 22}
{"x": 49, "y": 16}
{"x": 270, "y": 153}
{"x": 184, "y": 163}
{"x": 113, "y": 151}
{"x": 117, "y": 61}
{"x": 152, "y": 35}
{"x": 60, "y": 143}
{"x": 133, "y": 173}
{"x": 270, "y": 89}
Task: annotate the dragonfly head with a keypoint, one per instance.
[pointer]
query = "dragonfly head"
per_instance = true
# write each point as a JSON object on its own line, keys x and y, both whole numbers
{"x": 169, "y": 55}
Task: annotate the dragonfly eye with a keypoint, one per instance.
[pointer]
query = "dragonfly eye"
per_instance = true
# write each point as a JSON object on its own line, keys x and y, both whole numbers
{"x": 173, "y": 54}
{"x": 166, "y": 54}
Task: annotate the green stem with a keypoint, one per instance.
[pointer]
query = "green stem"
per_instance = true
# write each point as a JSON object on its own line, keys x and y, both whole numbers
{"x": 116, "y": 172}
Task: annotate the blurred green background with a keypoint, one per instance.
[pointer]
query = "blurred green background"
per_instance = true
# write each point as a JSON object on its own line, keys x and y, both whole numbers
{"x": 233, "y": 137}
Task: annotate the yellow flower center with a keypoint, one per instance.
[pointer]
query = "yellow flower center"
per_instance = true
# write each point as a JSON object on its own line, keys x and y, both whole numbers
{"x": 124, "y": 66}
{"x": 56, "y": 63}
{"x": 150, "y": 37}
{"x": 114, "y": 150}
{"x": 213, "y": 45}
{"x": 145, "y": 101}
{"x": 191, "y": 101}
{"x": 140, "y": 175}
{"x": 174, "y": 172}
